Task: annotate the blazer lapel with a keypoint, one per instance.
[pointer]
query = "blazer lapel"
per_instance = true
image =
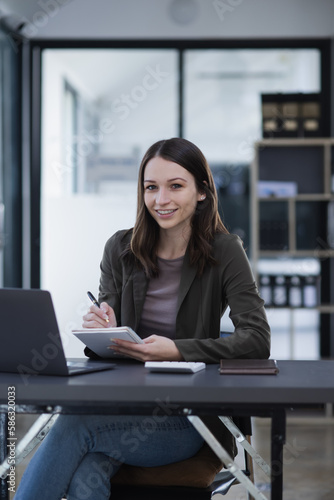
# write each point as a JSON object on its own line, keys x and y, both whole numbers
{"x": 188, "y": 275}
{"x": 140, "y": 284}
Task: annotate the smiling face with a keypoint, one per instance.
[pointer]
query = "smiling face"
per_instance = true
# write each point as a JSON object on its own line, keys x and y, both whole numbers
{"x": 170, "y": 194}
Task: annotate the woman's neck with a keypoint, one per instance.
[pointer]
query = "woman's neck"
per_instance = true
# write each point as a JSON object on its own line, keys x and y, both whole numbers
{"x": 172, "y": 246}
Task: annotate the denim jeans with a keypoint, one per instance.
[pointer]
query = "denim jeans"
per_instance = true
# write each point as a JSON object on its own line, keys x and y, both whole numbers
{"x": 81, "y": 453}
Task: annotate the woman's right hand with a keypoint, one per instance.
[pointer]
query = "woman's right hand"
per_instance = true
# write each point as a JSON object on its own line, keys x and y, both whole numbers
{"x": 103, "y": 316}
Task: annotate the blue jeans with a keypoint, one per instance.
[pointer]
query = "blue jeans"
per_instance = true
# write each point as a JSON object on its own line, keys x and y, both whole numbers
{"x": 81, "y": 453}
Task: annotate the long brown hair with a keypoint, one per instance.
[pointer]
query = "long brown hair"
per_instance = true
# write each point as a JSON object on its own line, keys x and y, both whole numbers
{"x": 205, "y": 222}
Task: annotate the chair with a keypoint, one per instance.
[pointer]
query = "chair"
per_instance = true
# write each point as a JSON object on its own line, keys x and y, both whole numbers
{"x": 133, "y": 483}
{"x": 123, "y": 489}
{"x": 221, "y": 485}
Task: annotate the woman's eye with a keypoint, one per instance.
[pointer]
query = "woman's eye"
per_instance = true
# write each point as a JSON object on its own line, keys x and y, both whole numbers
{"x": 150, "y": 187}
{"x": 176, "y": 186}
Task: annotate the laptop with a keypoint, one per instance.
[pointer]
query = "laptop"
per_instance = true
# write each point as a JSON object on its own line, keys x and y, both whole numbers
{"x": 31, "y": 342}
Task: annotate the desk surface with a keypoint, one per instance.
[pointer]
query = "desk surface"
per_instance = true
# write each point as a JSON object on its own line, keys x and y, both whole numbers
{"x": 130, "y": 383}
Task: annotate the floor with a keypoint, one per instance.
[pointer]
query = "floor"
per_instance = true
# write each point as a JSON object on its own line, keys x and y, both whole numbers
{"x": 308, "y": 459}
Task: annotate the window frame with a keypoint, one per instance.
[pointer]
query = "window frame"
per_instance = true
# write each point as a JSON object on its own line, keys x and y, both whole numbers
{"x": 34, "y": 58}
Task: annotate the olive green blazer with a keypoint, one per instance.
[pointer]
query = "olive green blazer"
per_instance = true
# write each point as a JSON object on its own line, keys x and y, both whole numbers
{"x": 202, "y": 301}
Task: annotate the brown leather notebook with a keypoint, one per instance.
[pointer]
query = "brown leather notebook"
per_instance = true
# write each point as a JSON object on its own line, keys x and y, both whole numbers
{"x": 248, "y": 366}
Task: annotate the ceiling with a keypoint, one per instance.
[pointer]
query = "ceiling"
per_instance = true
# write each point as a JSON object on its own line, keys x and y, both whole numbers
{"x": 129, "y": 19}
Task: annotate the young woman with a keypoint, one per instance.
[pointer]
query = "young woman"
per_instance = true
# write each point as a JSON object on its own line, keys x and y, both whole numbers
{"x": 170, "y": 278}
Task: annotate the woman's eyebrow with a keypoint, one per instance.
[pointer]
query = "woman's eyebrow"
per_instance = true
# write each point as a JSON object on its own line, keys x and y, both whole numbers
{"x": 169, "y": 180}
{"x": 177, "y": 179}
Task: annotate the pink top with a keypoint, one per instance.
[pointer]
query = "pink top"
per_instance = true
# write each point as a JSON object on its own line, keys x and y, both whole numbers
{"x": 159, "y": 311}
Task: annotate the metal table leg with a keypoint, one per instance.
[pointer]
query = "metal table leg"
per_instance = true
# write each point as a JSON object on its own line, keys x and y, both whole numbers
{"x": 228, "y": 422}
{"x": 225, "y": 457}
{"x": 278, "y": 431}
{"x": 33, "y": 437}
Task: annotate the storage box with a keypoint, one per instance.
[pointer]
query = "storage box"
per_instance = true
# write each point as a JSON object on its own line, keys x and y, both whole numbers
{"x": 291, "y": 115}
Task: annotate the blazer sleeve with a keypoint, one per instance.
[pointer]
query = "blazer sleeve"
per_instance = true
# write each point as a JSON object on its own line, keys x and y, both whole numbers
{"x": 237, "y": 289}
{"x": 116, "y": 281}
{"x": 110, "y": 288}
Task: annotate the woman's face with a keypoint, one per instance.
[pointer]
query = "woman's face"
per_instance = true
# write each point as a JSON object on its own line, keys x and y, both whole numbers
{"x": 170, "y": 194}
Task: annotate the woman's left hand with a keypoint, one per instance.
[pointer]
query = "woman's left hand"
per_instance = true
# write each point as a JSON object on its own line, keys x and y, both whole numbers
{"x": 155, "y": 348}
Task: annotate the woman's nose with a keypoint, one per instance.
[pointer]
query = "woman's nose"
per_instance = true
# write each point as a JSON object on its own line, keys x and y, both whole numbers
{"x": 162, "y": 196}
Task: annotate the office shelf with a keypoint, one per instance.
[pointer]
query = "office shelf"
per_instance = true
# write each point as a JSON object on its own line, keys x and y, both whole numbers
{"x": 299, "y": 224}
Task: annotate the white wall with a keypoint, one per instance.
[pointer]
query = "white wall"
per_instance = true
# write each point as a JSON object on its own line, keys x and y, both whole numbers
{"x": 69, "y": 270}
{"x": 128, "y": 19}
{"x": 74, "y": 228}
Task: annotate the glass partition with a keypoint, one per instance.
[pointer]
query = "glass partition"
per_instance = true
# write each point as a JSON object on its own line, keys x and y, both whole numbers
{"x": 222, "y": 94}
{"x": 101, "y": 110}
{"x": 222, "y": 115}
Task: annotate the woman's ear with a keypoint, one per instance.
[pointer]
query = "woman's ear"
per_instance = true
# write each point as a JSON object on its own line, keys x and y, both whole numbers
{"x": 202, "y": 193}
